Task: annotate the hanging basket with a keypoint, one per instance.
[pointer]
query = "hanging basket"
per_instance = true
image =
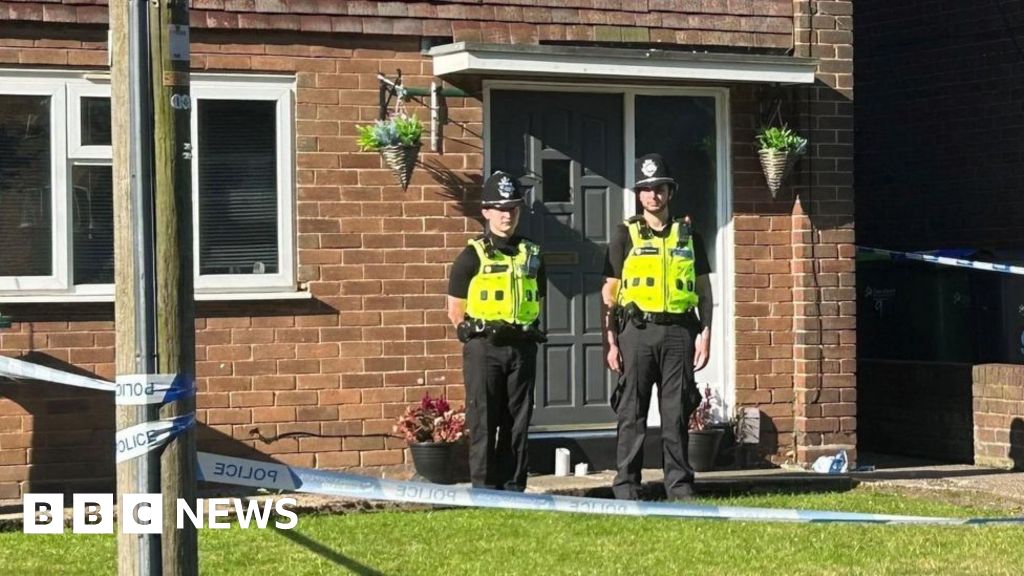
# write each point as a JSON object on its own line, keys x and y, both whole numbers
{"x": 401, "y": 160}
{"x": 777, "y": 164}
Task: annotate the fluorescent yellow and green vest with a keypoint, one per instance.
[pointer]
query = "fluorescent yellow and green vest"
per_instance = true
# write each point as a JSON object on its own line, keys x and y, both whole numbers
{"x": 659, "y": 274}
{"x": 503, "y": 288}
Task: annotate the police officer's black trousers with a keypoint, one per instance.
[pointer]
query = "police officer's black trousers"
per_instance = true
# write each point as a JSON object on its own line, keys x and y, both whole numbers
{"x": 662, "y": 354}
{"x": 499, "y": 398}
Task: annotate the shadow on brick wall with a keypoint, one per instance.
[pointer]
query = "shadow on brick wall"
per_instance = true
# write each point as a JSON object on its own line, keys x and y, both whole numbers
{"x": 67, "y": 432}
{"x": 916, "y": 409}
{"x": 1017, "y": 443}
{"x": 824, "y": 178}
{"x": 759, "y": 455}
{"x": 258, "y": 308}
{"x": 460, "y": 186}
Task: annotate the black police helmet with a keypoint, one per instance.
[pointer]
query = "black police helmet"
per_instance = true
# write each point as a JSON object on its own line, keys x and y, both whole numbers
{"x": 501, "y": 190}
{"x": 652, "y": 170}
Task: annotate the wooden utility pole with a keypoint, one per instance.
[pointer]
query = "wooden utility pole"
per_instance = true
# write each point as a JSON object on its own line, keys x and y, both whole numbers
{"x": 175, "y": 312}
{"x": 155, "y": 326}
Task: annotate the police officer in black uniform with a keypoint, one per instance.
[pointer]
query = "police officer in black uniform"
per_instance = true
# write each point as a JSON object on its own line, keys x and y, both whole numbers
{"x": 495, "y": 295}
{"x": 656, "y": 283}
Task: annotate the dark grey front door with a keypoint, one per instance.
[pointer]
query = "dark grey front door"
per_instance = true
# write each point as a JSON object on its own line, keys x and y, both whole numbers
{"x": 567, "y": 150}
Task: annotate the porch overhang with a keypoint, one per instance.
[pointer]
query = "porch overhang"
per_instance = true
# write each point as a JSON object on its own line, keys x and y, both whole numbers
{"x": 652, "y": 64}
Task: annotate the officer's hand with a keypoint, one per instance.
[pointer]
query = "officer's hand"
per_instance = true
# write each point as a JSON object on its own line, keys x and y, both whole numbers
{"x": 702, "y": 350}
{"x": 614, "y": 360}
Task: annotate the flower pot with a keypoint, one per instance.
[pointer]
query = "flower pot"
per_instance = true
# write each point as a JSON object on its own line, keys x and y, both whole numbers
{"x": 776, "y": 165}
{"x": 434, "y": 461}
{"x": 703, "y": 448}
{"x": 401, "y": 160}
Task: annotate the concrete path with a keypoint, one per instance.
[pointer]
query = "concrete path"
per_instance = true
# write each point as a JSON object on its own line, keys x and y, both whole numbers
{"x": 999, "y": 486}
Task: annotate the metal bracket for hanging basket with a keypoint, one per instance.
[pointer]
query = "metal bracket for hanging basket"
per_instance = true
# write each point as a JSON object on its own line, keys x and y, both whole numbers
{"x": 402, "y": 159}
{"x": 777, "y": 165}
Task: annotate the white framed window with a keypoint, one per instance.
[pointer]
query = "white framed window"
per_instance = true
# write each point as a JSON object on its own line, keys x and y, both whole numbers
{"x": 33, "y": 218}
{"x": 242, "y": 175}
{"x": 56, "y": 186}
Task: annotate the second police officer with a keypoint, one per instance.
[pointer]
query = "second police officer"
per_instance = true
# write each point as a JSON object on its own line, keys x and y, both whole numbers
{"x": 495, "y": 295}
{"x": 656, "y": 281}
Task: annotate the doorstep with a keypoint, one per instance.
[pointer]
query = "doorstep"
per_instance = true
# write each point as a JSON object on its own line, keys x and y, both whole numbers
{"x": 725, "y": 482}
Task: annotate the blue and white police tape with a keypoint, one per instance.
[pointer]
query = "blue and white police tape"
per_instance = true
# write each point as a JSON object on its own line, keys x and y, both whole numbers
{"x": 944, "y": 260}
{"x": 131, "y": 389}
{"x": 137, "y": 440}
{"x": 142, "y": 389}
{"x": 134, "y": 441}
{"x": 271, "y": 475}
{"x": 21, "y": 370}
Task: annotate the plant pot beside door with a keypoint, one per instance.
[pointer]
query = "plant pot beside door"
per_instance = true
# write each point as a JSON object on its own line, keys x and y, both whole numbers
{"x": 434, "y": 461}
{"x": 704, "y": 437}
{"x": 703, "y": 448}
{"x": 433, "y": 430}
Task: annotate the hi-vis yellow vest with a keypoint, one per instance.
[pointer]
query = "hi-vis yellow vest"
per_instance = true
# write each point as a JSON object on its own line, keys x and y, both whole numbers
{"x": 505, "y": 287}
{"x": 659, "y": 274}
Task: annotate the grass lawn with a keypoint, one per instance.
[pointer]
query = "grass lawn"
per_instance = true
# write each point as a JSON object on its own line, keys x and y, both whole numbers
{"x": 492, "y": 542}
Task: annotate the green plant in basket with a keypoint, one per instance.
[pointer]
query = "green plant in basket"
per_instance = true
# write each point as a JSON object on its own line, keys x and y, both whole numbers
{"x": 781, "y": 139}
{"x": 399, "y": 130}
{"x": 779, "y": 150}
{"x": 398, "y": 141}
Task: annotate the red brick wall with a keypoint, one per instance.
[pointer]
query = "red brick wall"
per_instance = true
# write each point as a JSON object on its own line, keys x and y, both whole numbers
{"x": 747, "y": 23}
{"x": 823, "y": 239}
{"x": 375, "y": 336}
{"x": 999, "y": 416}
{"x": 795, "y": 288}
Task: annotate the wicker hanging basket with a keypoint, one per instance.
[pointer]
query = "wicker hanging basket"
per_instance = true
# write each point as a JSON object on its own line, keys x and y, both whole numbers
{"x": 777, "y": 164}
{"x": 401, "y": 160}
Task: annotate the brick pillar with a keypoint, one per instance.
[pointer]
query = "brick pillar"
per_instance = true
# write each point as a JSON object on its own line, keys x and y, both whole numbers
{"x": 999, "y": 416}
{"x": 824, "y": 295}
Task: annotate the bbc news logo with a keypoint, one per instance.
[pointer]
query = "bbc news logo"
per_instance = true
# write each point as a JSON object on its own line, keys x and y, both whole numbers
{"x": 144, "y": 513}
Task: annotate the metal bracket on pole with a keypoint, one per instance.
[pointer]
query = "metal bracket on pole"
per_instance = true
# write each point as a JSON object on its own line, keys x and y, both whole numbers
{"x": 438, "y": 103}
{"x": 141, "y": 162}
{"x": 438, "y": 117}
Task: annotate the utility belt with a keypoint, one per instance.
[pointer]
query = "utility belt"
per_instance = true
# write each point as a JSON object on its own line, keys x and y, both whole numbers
{"x": 633, "y": 314}
{"x": 499, "y": 332}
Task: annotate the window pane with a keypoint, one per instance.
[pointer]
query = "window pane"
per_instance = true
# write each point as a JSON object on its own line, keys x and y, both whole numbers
{"x": 92, "y": 224}
{"x": 25, "y": 220}
{"x": 95, "y": 121}
{"x": 237, "y": 187}
{"x": 556, "y": 183}
{"x": 682, "y": 130}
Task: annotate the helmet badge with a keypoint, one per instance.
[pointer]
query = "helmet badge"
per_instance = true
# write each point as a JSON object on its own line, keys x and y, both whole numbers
{"x": 649, "y": 168}
{"x": 505, "y": 187}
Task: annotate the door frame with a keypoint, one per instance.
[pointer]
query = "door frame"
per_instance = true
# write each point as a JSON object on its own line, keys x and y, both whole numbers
{"x": 723, "y": 328}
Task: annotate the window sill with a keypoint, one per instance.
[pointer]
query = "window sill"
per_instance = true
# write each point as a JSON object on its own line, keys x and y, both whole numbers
{"x": 200, "y": 297}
